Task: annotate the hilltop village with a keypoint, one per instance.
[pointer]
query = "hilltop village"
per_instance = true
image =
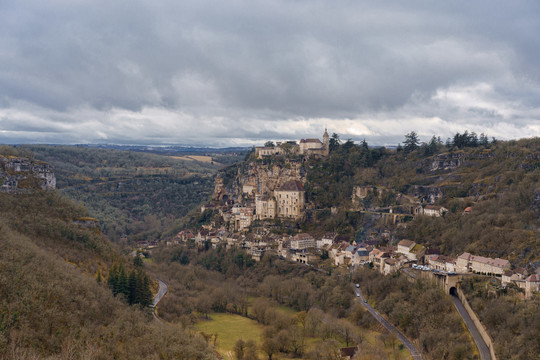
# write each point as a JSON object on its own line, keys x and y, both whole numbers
{"x": 259, "y": 208}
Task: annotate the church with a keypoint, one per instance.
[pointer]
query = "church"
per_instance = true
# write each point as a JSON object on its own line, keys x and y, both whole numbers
{"x": 306, "y": 147}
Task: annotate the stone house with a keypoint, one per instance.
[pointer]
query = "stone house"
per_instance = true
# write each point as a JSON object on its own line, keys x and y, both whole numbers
{"x": 405, "y": 246}
{"x": 412, "y": 250}
{"x": 377, "y": 257}
{"x": 339, "y": 258}
{"x": 265, "y": 207}
{"x": 532, "y": 284}
{"x": 483, "y": 265}
{"x": 327, "y": 239}
{"x": 303, "y": 257}
{"x": 513, "y": 276}
{"x": 290, "y": 199}
{"x": 389, "y": 266}
{"x": 243, "y": 218}
{"x": 441, "y": 262}
{"x": 360, "y": 256}
{"x": 302, "y": 241}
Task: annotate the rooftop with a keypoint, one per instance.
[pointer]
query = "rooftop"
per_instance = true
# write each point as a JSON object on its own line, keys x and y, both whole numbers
{"x": 292, "y": 185}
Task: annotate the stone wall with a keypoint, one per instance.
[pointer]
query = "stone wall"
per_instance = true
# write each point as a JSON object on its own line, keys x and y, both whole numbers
{"x": 481, "y": 329}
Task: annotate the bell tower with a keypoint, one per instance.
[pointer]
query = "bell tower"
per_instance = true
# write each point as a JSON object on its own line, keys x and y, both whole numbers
{"x": 326, "y": 142}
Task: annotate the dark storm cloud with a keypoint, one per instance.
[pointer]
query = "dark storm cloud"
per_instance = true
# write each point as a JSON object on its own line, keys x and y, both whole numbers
{"x": 142, "y": 71}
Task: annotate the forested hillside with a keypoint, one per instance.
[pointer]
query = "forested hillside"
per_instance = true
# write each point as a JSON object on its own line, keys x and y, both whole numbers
{"x": 51, "y": 301}
{"x": 131, "y": 193}
{"x": 499, "y": 181}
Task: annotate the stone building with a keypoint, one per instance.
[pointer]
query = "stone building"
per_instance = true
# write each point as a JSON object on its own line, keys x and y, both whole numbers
{"x": 479, "y": 264}
{"x": 290, "y": 198}
{"x": 265, "y": 207}
{"x": 302, "y": 241}
{"x": 307, "y": 147}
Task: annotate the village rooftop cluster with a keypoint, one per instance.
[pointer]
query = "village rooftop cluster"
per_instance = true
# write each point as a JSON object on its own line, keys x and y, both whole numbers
{"x": 262, "y": 200}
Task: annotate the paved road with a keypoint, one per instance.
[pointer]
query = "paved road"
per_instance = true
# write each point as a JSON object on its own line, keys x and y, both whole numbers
{"x": 412, "y": 348}
{"x": 480, "y": 343}
{"x": 160, "y": 294}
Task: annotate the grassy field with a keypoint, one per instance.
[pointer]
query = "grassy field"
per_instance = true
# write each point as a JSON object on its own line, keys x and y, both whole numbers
{"x": 201, "y": 158}
{"x": 230, "y": 328}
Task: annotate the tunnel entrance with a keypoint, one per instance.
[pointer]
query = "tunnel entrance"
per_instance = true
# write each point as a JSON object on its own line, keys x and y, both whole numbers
{"x": 453, "y": 291}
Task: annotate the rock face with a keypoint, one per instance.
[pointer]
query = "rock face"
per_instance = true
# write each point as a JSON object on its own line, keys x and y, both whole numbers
{"x": 447, "y": 161}
{"x": 429, "y": 193}
{"x": 20, "y": 175}
{"x": 266, "y": 178}
{"x": 260, "y": 178}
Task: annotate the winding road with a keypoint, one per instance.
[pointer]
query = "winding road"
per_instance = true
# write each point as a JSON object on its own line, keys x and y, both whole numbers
{"x": 412, "y": 348}
{"x": 160, "y": 294}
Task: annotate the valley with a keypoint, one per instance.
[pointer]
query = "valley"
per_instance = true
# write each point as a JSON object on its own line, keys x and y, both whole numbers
{"x": 260, "y": 256}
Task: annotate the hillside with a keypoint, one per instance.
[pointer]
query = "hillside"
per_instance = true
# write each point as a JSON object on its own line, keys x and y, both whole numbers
{"x": 363, "y": 192}
{"x": 51, "y": 304}
{"x": 137, "y": 194}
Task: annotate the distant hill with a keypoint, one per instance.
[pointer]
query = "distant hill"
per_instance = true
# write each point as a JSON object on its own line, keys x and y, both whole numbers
{"x": 137, "y": 194}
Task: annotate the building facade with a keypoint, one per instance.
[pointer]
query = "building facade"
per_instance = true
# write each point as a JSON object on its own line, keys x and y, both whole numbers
{"x": 290, "y": 198}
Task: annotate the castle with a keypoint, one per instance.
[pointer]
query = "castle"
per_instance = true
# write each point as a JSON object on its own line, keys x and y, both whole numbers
{"x": 306, "y": 147}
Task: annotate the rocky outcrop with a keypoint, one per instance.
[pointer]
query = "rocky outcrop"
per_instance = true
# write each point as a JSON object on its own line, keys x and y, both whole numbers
{"x": 266, "y": 178}
{"x": 447, "y": 161}
{"x": 20, "y": 175}
{"x": 260, "y": 177}
{"x": 429, "y": 194}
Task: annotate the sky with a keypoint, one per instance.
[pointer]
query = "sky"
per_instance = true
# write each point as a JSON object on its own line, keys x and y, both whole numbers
{"x": 240, "y": 72}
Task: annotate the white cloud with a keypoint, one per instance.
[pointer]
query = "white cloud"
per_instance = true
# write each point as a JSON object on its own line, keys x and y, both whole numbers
{"x": 218, "y": 73}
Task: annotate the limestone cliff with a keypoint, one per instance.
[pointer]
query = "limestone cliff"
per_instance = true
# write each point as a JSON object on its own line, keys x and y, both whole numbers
{"x": 257, "y": 176}
{"x": 19, "y": 175}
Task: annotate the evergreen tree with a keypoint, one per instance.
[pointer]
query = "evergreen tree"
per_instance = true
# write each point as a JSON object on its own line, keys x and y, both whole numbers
{"x": 138, "y": 261}
{"x": 484, "y": 141}
{"x": 411, "y": 142}
{"x": 333, "y": 144}
{"x": 146, "y": 297}
{"x": 112, "y": 280}
{"x": 132, "y": 288}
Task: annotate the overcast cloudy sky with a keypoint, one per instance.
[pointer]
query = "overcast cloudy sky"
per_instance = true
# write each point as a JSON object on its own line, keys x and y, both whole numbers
{"x": 238, "y": 72}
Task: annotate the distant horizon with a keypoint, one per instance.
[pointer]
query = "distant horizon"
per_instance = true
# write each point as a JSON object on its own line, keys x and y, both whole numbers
{"x": 206, "y": 146}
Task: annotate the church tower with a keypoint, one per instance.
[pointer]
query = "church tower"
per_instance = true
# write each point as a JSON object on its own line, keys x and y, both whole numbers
{"x": 326, "y": 142}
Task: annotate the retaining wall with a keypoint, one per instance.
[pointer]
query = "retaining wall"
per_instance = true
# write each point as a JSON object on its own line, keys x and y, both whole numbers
{"x": 477, "y": 322}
